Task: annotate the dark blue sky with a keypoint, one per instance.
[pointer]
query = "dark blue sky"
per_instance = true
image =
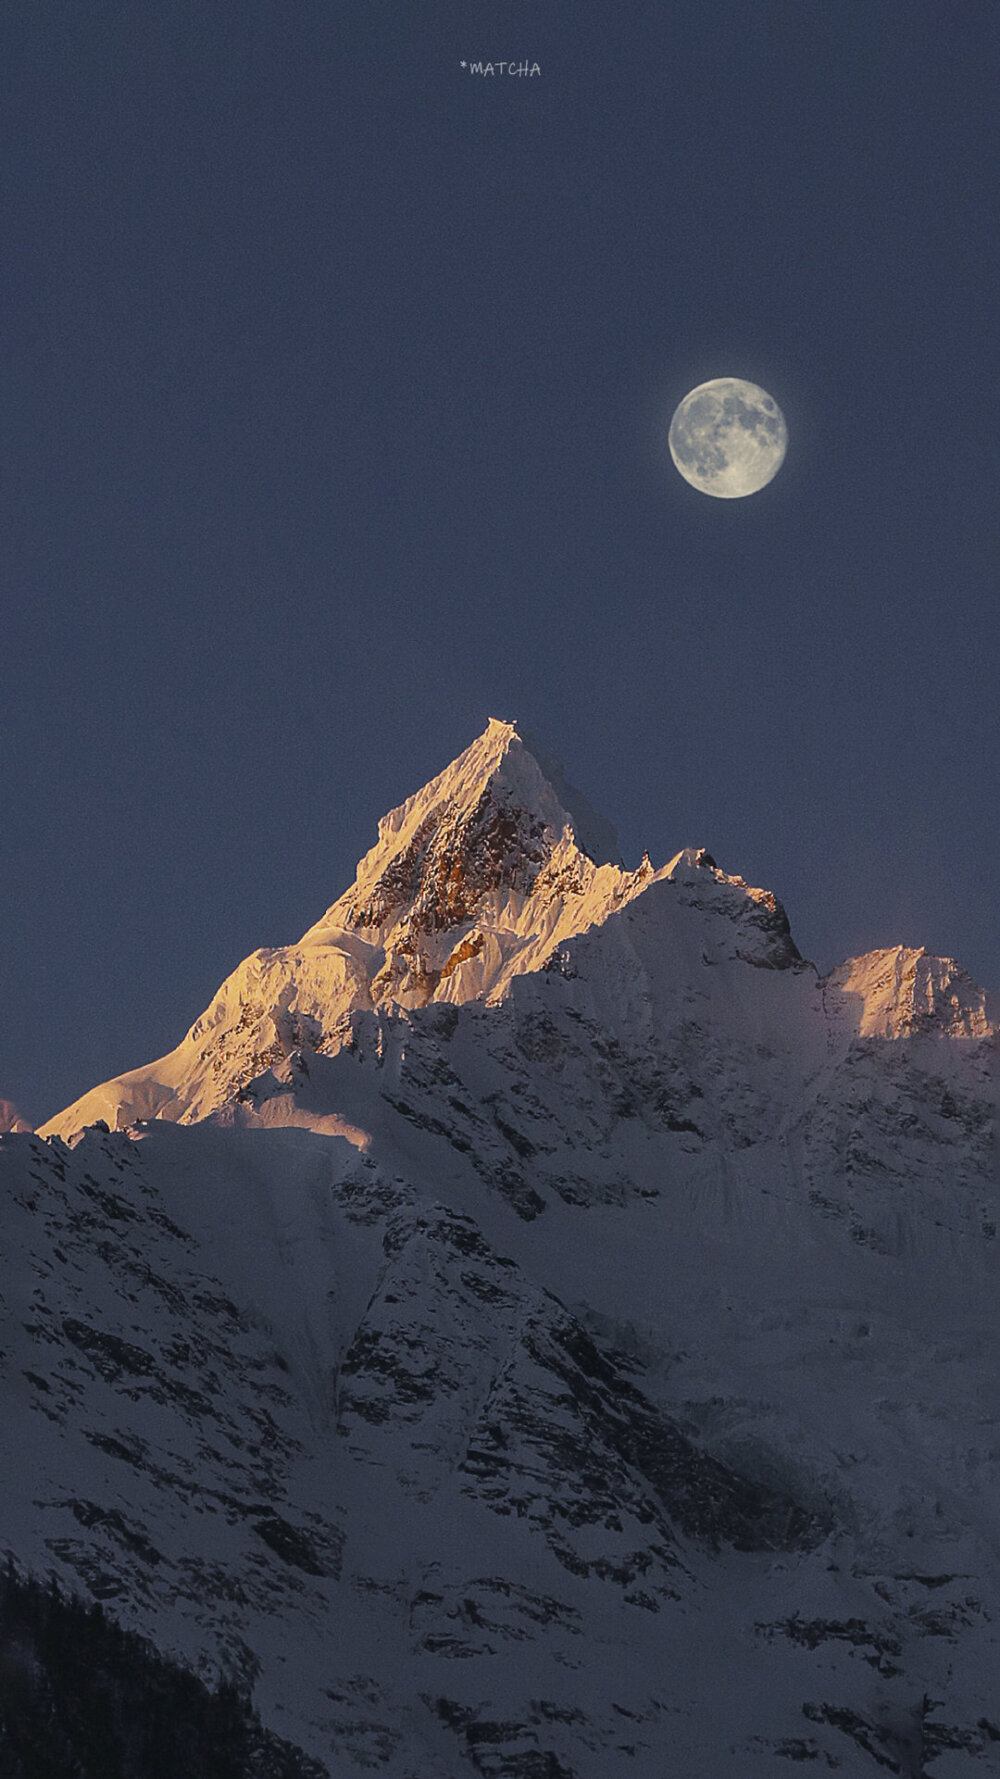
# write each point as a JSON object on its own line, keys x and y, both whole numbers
{"x": 336, "y": 382}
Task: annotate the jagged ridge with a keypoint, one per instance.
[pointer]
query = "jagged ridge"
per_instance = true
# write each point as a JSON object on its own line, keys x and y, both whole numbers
{"x": 479, "y": 879}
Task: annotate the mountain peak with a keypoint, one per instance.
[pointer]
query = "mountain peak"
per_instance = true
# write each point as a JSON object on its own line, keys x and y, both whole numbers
{"x": 484, "y": 827}
{"x": 509, "y": 761}
{"x": 904, "y": 991}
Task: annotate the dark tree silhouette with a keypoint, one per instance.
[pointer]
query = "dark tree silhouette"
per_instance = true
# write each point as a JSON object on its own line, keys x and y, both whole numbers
{"x": 81, "y": 1698}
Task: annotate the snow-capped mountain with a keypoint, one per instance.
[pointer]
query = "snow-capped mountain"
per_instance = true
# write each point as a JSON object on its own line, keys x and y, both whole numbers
{"x": 473, "y": 882}
{"x": 535, "y": 1326}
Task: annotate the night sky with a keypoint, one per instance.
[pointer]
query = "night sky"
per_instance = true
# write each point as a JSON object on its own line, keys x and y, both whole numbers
{"x": 336, "y": 384}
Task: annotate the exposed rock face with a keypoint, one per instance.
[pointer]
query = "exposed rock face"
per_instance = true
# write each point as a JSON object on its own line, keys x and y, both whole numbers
{"x": 558, "y": 1339}
{"x": 448, "y": 869}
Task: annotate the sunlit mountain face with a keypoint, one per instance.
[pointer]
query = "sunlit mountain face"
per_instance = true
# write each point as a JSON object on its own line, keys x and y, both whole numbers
{"x": 533, "y": 1326}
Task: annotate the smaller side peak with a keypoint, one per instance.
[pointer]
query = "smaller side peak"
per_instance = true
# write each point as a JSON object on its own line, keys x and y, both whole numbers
{"x": 693, "y": 860}
{"x": 903, "y": 991}
{"x": 766, "y": 937}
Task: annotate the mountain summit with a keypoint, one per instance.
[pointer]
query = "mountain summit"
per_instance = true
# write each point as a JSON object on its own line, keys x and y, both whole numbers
{"x": 494, "y": 833}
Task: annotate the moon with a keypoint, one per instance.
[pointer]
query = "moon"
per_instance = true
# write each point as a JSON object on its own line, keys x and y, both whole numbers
{"x": 728, "y": 438}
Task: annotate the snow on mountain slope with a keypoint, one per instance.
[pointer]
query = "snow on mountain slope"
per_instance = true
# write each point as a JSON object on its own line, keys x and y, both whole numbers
{"x": 542, "y": 1329}
{"x": 721, "y": 1489}
{"x": 268, "y": 1433}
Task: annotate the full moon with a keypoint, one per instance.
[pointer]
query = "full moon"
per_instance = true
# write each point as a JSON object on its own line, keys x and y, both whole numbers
{"x": 728, "y": 438}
